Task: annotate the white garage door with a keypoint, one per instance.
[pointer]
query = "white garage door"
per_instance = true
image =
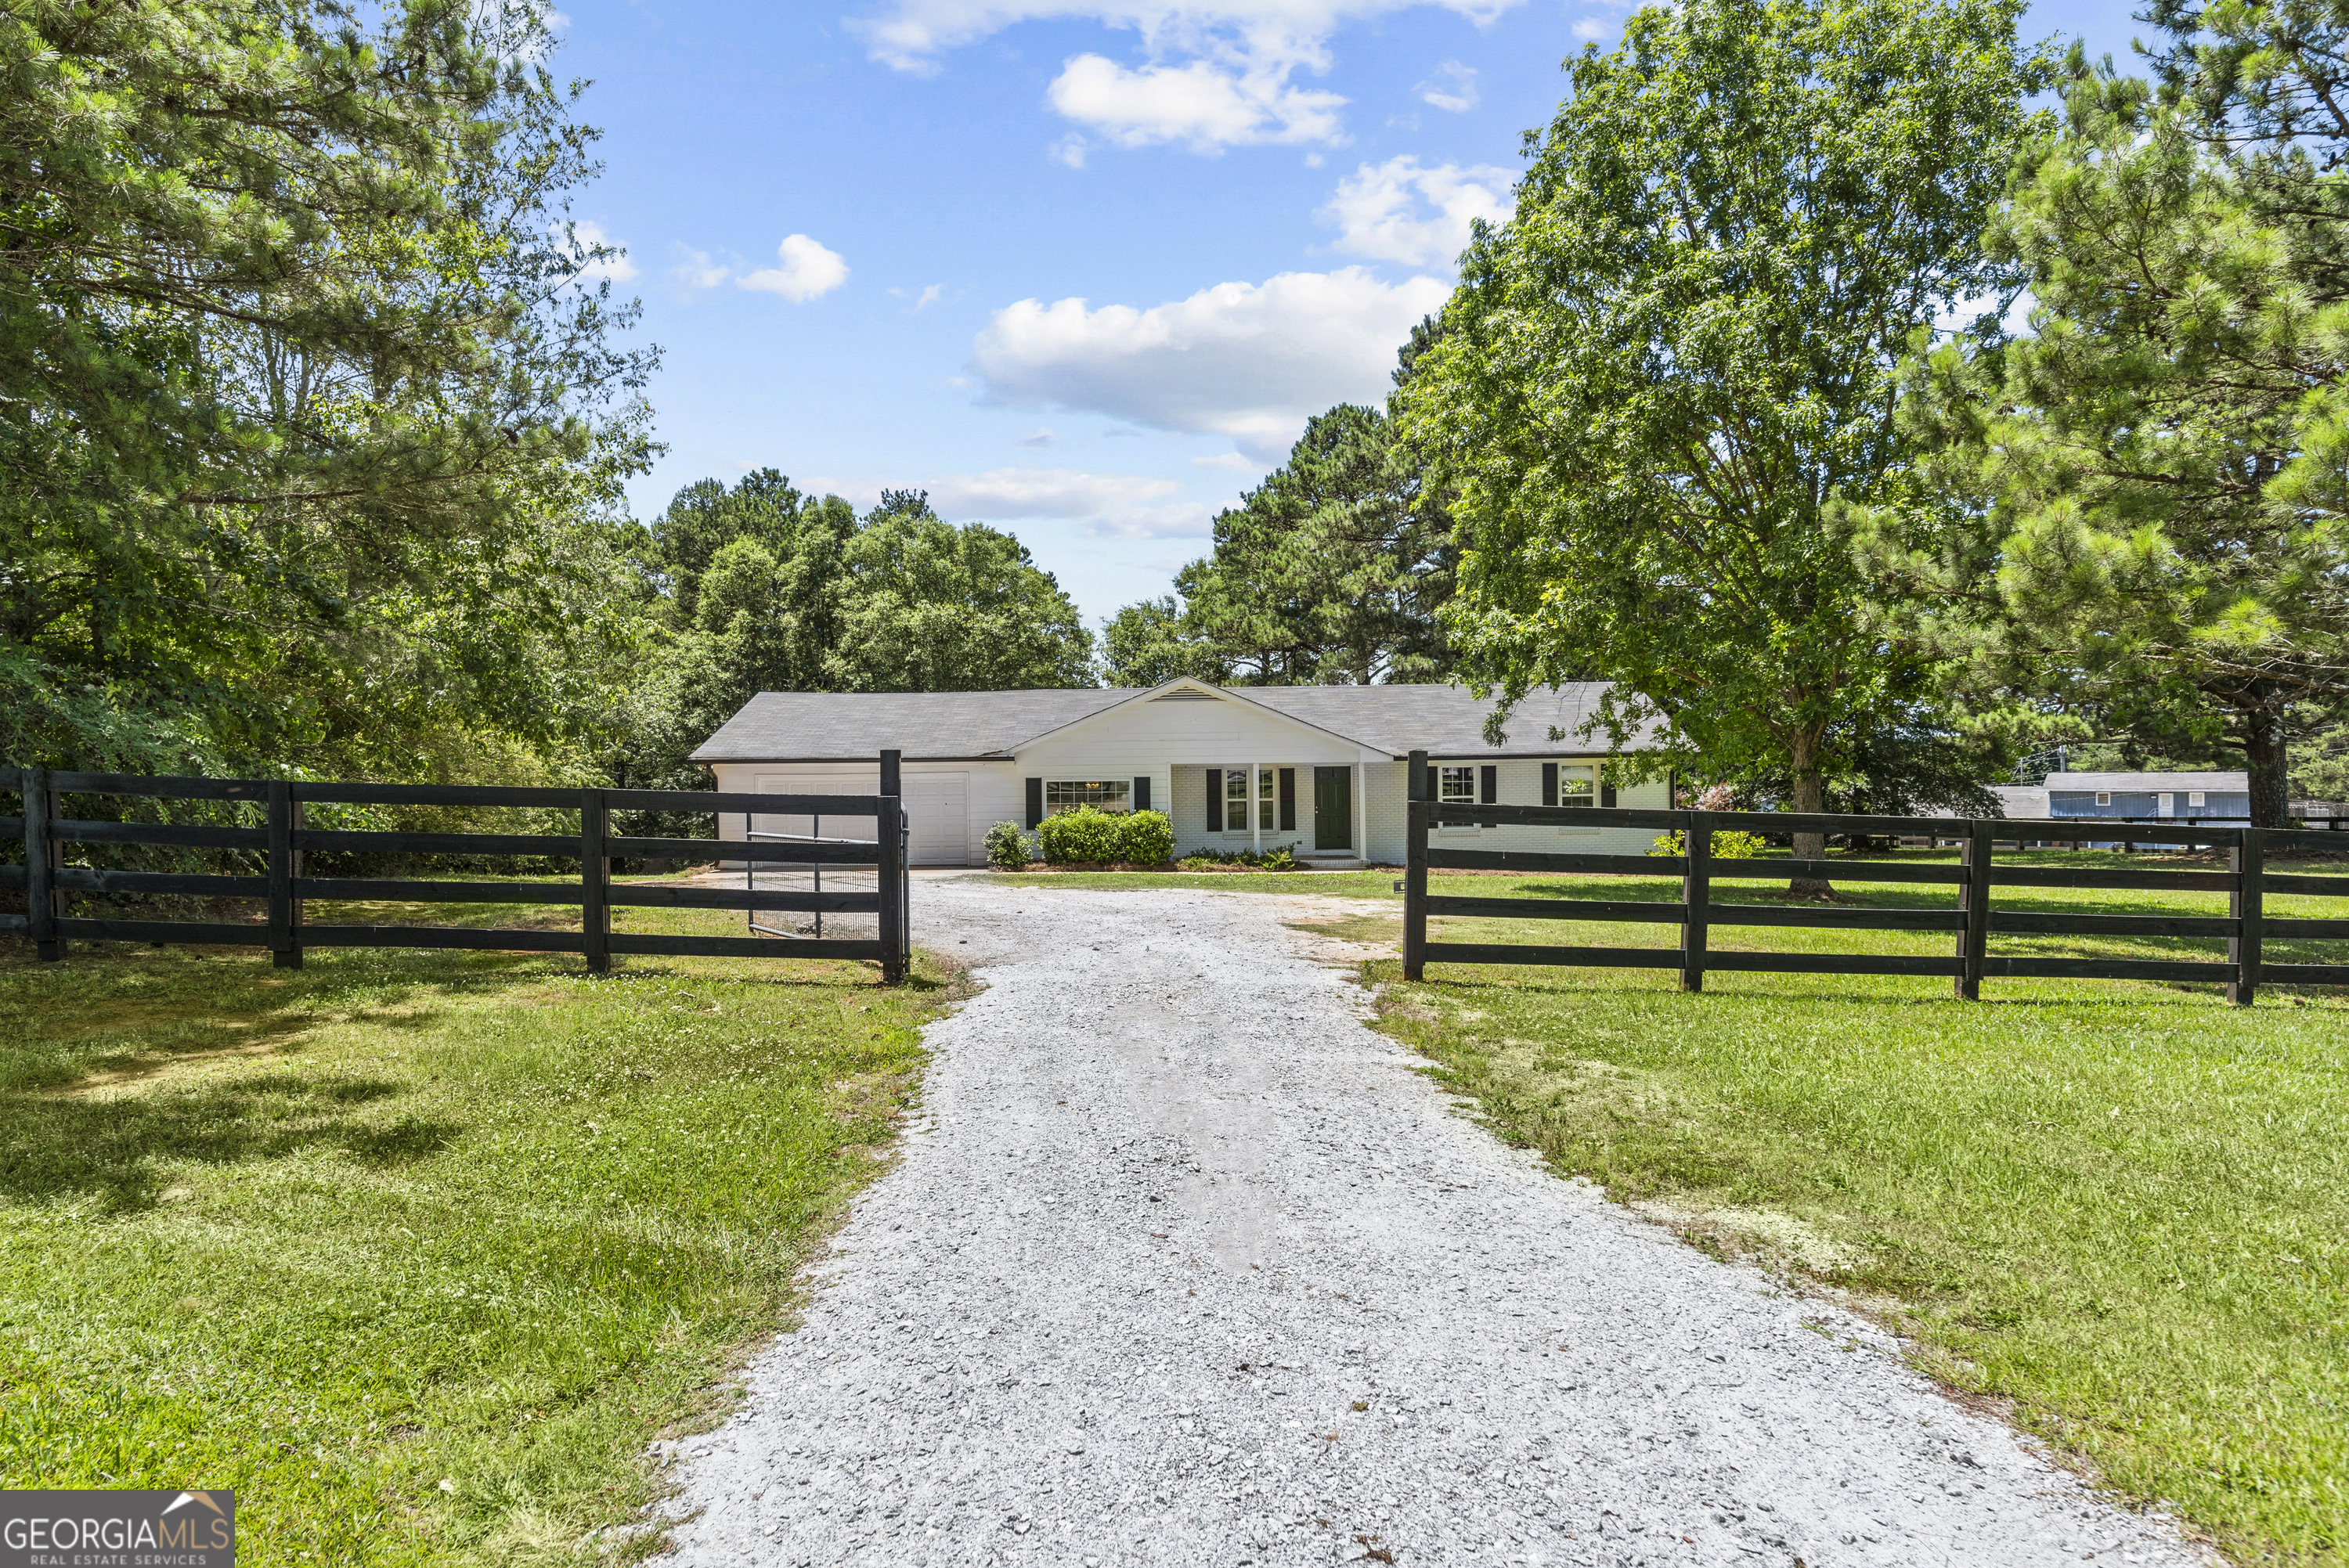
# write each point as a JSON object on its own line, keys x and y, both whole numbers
{"x": 813, "y": 784}
{"x": 937, "y": 806}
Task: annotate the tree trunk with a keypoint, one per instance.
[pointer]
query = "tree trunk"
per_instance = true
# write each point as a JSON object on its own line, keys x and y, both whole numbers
{"x": 2264, "y": 748}
{"x": 1810, "y": 797}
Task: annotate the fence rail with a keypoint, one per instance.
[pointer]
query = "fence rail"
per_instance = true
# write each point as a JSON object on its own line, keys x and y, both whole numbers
{"x": 283, "y": 840}
{"x": 1971, "y": 921}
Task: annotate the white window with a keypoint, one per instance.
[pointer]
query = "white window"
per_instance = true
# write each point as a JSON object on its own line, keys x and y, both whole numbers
{"x": 2197, "y": 797}
{"x": 1101, "y": 794}
{"x": 1456, "y": 786}
{"x": 1577, "y": 786}
{"x": 2104, "y": 797}
{"x": 1235, "y": 799}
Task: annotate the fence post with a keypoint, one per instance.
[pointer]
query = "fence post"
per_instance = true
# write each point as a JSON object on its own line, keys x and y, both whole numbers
{"x": 889, "y": 829}
{"x": 594, "y": 882}
{"x": 40, "y": 866}
{"x": 2247, "y": 861}
{"x": 284, "y": 935}
{"x": 1973, "y": 899}
{"x": 1415, "y": 867}
{"x": 1696, "y": 897}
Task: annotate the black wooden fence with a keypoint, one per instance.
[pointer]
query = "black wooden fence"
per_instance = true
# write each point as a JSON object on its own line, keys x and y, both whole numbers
{"x": 281, "y": 842}
{"x": 1970, "y": 922}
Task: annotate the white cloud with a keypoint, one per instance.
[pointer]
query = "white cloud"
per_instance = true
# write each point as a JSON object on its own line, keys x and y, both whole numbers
{"x": 1206, "y": 106}
{"x": 808, "y": 272}
{"x": 1401, "y": 211}
{"x": 1251, "y": 361}
{"x": 1592, "y": 30}
{"x": 923, "y": 300}
{"x": 616, "y": 267}
{"x": 1230, "y": 462}
{"x": 695, "y": 270}
{"x": 1452, "y": 86}
{"x": 912, "y": 33}
{"x": 1184, "y": 520}
{"x": 1114, "y": 505}
{"x": 1215, "y": 73}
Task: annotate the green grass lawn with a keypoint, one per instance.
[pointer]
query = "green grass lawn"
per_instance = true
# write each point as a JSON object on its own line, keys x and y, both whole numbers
{"x": 2119, "y": 1212}
{"x": 414, "y": 1250}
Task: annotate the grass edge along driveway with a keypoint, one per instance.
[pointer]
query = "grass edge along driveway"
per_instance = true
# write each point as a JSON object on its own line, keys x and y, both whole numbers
{"x": 416, "y": 1250}
{"x": 2119, "y": 1212}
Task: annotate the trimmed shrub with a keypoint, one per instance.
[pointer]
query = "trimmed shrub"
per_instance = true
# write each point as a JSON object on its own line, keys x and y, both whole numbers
{"x": 1145, "y": 839}
{"x": 1007, "y": 846}
{"x": 1086, "y": 833}
{"x": 1729, "y": 844}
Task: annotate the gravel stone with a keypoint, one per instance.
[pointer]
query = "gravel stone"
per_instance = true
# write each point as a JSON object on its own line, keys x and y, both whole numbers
{"x": 1182, "y": 1263}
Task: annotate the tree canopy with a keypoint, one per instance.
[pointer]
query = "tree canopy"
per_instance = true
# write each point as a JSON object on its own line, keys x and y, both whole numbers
{"x": 2144, "y": 536}
{"x": 309, "y": 420}
{"x": 1330, "y": 572}
{"x": 1653, "y": 378}
{"x": 765, "y": 589}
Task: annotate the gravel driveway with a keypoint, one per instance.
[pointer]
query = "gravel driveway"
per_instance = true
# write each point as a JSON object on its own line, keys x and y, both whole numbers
{"x": 1183, "y": 1264}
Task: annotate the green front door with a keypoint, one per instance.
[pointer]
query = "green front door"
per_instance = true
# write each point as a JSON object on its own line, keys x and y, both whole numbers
{"x": 1333, "y": 808}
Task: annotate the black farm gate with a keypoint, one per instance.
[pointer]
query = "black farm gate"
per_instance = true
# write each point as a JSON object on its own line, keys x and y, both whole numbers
{"x": 1971, "y": 921}
{"x": 281, "y": 840}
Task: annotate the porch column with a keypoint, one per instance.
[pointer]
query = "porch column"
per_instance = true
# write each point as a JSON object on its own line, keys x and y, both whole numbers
{"x": 1255, "y": 810}
{"x": 1362, "y": 814}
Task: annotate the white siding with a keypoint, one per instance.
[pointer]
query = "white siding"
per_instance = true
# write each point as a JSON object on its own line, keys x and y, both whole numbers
{"x": 992, "y": 794}
{"x": 1173, "y": 743}
{"x": 1518, "y": 784}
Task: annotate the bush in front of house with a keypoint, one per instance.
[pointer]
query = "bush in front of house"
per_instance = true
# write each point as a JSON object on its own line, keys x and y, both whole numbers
{"x": 1007, "y": 846}
{"x": 1145, "y": 839}
{"x": 1086, "y": 833}
{"x": 1728, "y": 844}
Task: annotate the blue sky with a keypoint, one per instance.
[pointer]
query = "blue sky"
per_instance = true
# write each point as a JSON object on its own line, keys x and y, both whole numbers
{"x": 1079, "y": 268}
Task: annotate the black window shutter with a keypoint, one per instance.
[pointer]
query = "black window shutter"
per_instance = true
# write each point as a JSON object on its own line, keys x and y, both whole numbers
{"x": 1142, "y": 792}
{"x": 1491, "y": 792}
{"x": 1549, "y": 783}
{"x": 1214, "y": 800}
{"x": 1607, "y": 795}
{"x": 1432, "y": 792}
{"x": 1287, "y": 799}
{"x": 1035, "y": 801}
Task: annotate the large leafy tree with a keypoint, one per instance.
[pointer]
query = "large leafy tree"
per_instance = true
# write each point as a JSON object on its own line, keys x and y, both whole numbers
{"x": 790, "y": 592}
{"x": 1329, "y": 571}
{"x": 1332, "y": 571}
{"x": 309, "y": 411}
{"x": 2147, "y": 537}
{"x": 1148, "y": 642}
{"x": 1654, "y": 381}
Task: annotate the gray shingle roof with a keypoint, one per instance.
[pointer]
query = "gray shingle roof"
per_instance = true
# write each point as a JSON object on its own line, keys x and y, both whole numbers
{"x": 2236, "y": 783}
{"x": 849, "y": 726}
{"x": 809, "y": 727}
{"x": 1443, "y": 720}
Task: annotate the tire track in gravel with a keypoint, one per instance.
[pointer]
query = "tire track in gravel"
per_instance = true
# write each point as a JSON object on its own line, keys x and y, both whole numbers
{"x": 1183, "y": 1264}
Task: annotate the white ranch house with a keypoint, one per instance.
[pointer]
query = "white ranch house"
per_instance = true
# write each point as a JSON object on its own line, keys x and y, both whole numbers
{"x": 1319, "y": 767}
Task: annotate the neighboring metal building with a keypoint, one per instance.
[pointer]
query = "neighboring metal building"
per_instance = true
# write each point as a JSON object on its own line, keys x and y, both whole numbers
{"x": 2221, "y": 799}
